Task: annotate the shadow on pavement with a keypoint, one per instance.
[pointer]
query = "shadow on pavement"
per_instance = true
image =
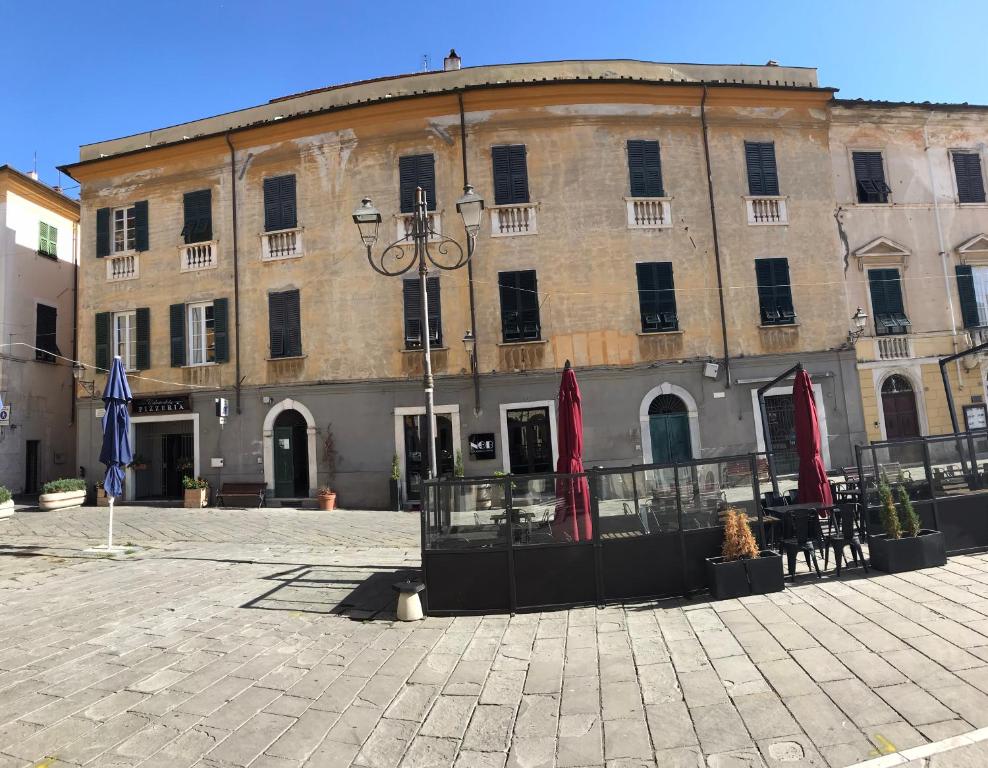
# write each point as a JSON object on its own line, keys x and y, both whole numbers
{"x": 334, "y": 590}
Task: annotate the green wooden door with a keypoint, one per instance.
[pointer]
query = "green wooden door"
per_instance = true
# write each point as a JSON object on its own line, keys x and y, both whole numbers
{"x": 284, "y": 462}
{"x": 670, "y": 433}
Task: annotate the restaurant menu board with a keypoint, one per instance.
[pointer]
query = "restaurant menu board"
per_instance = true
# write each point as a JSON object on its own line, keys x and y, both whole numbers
{"x": 975, "y": 417}
{"x": 482, "y": 446}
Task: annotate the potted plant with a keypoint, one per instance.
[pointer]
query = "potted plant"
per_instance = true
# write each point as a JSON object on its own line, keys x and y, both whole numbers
{"x": 6, "y": 502}
{"x": 742, "y": 569}
{"x": 102, "y": 500}
{"x": 327, "y": 499}
{"x": 196, "y": 492}
{"x": 395, "y": 484}
{"x": 905, "y": 545}
{"x": 139, "y": 462}
{"x": 64, "y": 493}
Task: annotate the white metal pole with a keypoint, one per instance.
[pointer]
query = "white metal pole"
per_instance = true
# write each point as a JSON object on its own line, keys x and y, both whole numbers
{"x": 109, "y": 541}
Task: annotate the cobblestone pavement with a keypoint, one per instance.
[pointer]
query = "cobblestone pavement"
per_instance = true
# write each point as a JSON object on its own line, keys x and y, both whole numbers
{"x": 266, "y": 639}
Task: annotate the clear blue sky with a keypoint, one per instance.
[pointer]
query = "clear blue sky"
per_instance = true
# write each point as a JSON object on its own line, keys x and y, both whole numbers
{"x": 77, "y": 72}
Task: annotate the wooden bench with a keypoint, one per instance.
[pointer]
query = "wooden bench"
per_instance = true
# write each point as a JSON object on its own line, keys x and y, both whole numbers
{"x": 249, "y": 493}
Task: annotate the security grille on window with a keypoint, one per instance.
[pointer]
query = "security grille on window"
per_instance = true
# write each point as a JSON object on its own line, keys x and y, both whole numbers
{"x": 46, "y": 320}
{"x": 519, "y": 306}
{"x": 970, "y": 181}
{"x": 869, "y": 177}
{"x": 656, "y": 297}
{"x": 202, "y": 334}
{"x": 48, "y": 241}
{"x": 412, "y": 295}
{"x": 285, "y": 324}
{"x": 886, "y": 302}
{"x": 774, "y": 292}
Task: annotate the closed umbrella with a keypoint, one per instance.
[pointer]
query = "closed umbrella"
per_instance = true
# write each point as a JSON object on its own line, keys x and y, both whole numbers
{"x": 115, "y": 451}
{"x": 572, "y": 515}
{"x": 813, "y": 483}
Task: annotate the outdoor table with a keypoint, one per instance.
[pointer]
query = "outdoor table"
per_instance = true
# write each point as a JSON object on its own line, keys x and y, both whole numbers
{"x": 519, "y": 514}
{"x": 783, "y": 511}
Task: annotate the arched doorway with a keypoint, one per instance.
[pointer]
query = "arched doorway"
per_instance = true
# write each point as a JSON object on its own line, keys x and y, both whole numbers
{"x": 291, "y": 456}
{"x": 669, "y": 430}
{"x": 899, "y": 408}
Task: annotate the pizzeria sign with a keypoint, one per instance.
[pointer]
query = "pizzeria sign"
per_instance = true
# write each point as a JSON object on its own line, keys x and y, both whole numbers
{"x": 177, "y": 404}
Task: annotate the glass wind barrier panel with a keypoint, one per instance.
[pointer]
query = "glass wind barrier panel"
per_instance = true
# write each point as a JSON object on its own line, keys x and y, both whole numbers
{"x": 706, "y": 490}
{"x": 465, "y": 514}
{"x": 953, "y": 473}
{"x": 863, "y": 476}
{"x": 978, "y": 443}
{"x": 902, "y": 464}
{"x": 634, "y": 503}
{"x": 550, "y": 509}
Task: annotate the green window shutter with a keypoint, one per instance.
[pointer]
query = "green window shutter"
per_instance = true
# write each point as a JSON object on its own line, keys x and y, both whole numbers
{"x": 102, "y": 233}
{"x": 519, "y": 306}
{"x": 42, "y": 237}
{"x": 869, "y": 177}
{"x": 221, "y": 330}
{"x": 280, "y": 203}
{"x": 657, "y": 296}
{"x": 141, "y": 225}
{"x": 143, "y": 336}
{"x": 416, "y": 171}
{"x": 645, "y": 168}
{"x": 510, "y": 174}
{"x": 970, "y": 181}
{"x": 763, "y": 176}
{"x": 102, "y": 340}
{"x": 276, "y": 323}
{"x": 969, "y": 300}
{"x": 198, "y": 216}
{"x": 774, "y": 291}
{"x": 285, "y": 324}
{"x": 176, "y": 323}
{"x": 45, "y": 336}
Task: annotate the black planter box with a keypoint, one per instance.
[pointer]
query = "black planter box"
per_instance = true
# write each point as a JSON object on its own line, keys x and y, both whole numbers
{"x": 911, "y": 553}
{"x": 395, "y": 492}
{"x": 765, "y": 573}
{"x": 738, "y": 578}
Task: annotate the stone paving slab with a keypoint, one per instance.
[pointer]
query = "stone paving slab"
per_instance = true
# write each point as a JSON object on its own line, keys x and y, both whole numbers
{"x": 230, "y": 638}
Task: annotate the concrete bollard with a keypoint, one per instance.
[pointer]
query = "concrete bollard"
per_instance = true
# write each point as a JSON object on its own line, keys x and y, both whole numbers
{"x": 409, "y": 604}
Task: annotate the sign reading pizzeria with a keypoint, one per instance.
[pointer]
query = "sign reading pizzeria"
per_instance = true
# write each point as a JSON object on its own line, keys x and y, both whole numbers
{"x": 148, "y": 405}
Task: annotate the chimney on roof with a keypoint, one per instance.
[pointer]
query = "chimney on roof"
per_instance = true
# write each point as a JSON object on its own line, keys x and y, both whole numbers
{"x": 452, "y": 61}
{"x": 771, "y": 63}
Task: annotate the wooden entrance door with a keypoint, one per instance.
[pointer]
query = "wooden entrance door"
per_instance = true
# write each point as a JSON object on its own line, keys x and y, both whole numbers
{"x": 899, "y": 408}
{"x": 669, "y": 430}
{"x": 291, "y": 456}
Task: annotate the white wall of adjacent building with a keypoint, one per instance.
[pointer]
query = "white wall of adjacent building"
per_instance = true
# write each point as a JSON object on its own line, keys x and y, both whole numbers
{"x": 39, "y": 393}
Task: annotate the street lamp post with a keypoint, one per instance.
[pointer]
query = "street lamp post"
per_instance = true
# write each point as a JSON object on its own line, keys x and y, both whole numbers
{"x": 394, "y": 260}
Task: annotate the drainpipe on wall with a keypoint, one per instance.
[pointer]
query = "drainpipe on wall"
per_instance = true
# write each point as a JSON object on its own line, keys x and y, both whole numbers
{"x": 943, "y": 251}
{"x": 236, "y": 268}
{"x": 474, "y": 364}
{"x": 75, "y": 314}
{"x": 713, "y": 223}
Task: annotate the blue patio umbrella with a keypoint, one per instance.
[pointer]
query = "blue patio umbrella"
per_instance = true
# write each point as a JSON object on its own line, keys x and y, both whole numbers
{"x": 115, "y": 452}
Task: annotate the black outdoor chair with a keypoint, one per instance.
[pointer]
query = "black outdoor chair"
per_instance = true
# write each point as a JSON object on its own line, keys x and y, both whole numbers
{"x": 801, "y": 533}
{"x": 845, "y": 529}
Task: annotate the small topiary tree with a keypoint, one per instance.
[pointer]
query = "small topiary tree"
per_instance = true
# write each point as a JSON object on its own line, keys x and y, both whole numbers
{"x": 4, "y": 495}
{"x": 739, "y": 542}
{"x": 890, "y": 518}
{"x": 395, "y": 468}
{"x": 908, "y": 518}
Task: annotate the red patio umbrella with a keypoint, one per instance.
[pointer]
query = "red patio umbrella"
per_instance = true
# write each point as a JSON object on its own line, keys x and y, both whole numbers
{"x": 813, "y": 483}
{"x": 572, "y": 515}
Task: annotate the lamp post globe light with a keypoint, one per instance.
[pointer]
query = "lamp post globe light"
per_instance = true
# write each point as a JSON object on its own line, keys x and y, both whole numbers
{"x": 414, "y": 250}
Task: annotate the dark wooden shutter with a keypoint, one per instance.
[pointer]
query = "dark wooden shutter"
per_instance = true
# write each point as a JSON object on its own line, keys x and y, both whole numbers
{"x": 519, "y": 306}
{"x": 143, "y": 335}
{"x": 969, "y": 300}
{"x": 774, "y": 291}
{"x": 970, "y": 181}
{"x": 886, "y": 300}
{"x": 102, "y": 232}
{"x": 869, "y": 177}
{"x": 46, "y": 323}
{"x": 417, "y": 171}
{"x": 285, "y": 324}
{"x": 102, "y": 339}
{"x": 221, "y": 330}
{"x": 141, "y": 225}
{"x": 176, "y": 321}
{"x": 645, "y": 168}
{"x": 198, "y": 219}
{"x": 279, "y": 203}
{"x": 412, "y": 296}
{"x": 763, "y": 177}
{"x": 657, "y": 296}
{"x": 510, "y": 174}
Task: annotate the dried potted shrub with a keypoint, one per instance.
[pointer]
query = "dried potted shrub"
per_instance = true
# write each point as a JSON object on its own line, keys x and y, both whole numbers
{"x": 394, "y": 485}
{"x": 742, "y": 569}
{"x": 6, "y": 502}
{"x": 102, "y": 500}
{"x": 327, "y": 499}
{"x": 196, "y": 492}
{"x": 62, "y": 494}
{"x": 905, "y": 545}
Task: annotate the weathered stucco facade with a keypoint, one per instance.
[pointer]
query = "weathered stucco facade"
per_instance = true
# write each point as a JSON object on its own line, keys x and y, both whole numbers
{"x": 924, "y": 231}
{"x": 356, "y": 380}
